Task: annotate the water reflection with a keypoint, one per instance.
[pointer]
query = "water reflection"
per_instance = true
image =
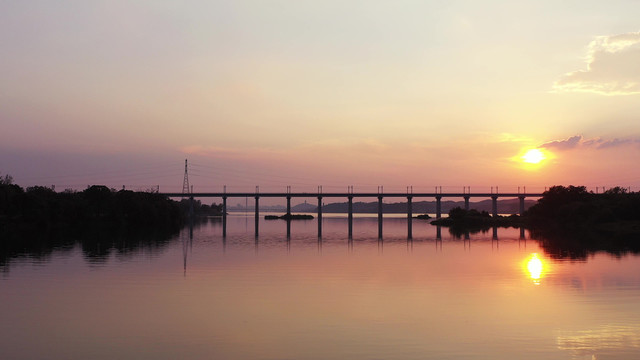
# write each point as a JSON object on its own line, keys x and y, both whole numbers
{"x": 492, "y": 308}
{"x": 496, "y": 242}
{"x": 98, "y": 243}
{"x": 363, "y": 298}
{"x": 535, "y": 267}
{"x": 603, "y": 340}
{"x": 185, "y": 247}
{"x": 579, "y": 245}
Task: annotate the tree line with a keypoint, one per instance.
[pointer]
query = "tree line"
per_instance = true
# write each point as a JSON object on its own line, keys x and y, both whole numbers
{"x": 574, "y": 206}
{"x": 564, "y": 207}
{"x": 43, "y": 207}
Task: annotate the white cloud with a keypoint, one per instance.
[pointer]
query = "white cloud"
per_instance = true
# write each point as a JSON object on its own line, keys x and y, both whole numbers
{"x": 612, "y": 67}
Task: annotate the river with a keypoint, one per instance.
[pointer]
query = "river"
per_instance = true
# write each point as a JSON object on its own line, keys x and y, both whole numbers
{"x": 202, "y": 296}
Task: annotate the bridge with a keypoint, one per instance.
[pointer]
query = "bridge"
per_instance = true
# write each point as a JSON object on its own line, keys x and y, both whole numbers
{"x": 409, "y": 196}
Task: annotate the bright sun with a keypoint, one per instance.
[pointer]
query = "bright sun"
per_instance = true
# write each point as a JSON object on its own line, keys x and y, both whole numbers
{"x": 533, "y": 156}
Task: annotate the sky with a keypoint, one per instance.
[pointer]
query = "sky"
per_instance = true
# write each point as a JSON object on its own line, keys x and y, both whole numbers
{"x": 308, "y": 93}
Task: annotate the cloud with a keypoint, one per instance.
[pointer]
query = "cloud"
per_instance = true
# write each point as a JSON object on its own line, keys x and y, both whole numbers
{"x": 612, "y": 67}
{"x": 617, "y": 142}
{"x": 579, "y": 141}
{"x": 565, "y": 144}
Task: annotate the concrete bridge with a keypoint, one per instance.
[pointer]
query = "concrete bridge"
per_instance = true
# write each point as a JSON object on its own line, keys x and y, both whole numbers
{"x": 350, "y": 196}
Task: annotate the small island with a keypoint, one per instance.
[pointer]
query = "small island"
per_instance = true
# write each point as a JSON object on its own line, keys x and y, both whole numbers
{"x": 289, "y": 217}
{"x": 474, "y": 219}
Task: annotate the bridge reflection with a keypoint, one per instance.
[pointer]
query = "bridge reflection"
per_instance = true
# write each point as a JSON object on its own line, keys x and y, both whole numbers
{"x": 491, "y": 232}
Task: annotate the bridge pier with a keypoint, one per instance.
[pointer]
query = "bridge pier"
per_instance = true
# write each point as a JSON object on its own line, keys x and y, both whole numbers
{"x": 438, "y": 207}
{"x": 521, "y": 205}
{"x": 350, "y": 216}
{"x": 379, "y": 217}
{"x": 319, "y": 216}
{"x": 494, "y": 205}
{"x": 409, "y": 217}
{"x": 466, "y": 203}
{"x": 224, "y": 216}
{"x": 438, "y": 232}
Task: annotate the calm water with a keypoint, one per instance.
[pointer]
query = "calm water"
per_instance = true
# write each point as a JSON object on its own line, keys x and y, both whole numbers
{"x": 242, "y": 298}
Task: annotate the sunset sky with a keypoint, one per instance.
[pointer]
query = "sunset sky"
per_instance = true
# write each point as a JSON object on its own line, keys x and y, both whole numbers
{"x": 332, "y": 93}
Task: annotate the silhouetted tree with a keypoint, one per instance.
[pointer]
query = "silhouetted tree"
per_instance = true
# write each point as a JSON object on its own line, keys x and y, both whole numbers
{"x": 43, "y": 206}
{"x": 6, "y": 179}
{"x": 200, "y": 209}
{"x": 572, "y": 206}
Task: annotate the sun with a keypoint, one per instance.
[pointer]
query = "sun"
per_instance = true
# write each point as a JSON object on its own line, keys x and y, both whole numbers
{"x": 533, "y": 156}
{"x": 532, "y": 159}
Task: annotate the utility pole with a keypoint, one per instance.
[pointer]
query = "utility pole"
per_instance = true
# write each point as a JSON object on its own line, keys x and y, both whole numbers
{"x": 185, "y": 183}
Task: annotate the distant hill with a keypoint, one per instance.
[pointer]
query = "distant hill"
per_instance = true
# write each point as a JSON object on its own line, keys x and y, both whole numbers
{"x": 304, "y": 207}
{"x": 508, "y": 206}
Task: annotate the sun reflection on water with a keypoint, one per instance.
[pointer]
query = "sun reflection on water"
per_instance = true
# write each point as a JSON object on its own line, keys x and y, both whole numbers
{"x": 535, "y": 267}
{"x": 605, "y": 338}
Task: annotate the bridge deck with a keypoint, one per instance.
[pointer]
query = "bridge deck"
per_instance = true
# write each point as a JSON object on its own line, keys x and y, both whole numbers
{"x": 356, "y": 195}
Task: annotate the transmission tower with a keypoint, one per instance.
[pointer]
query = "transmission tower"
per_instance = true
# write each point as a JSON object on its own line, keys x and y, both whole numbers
{"x": 185, "y": 182}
